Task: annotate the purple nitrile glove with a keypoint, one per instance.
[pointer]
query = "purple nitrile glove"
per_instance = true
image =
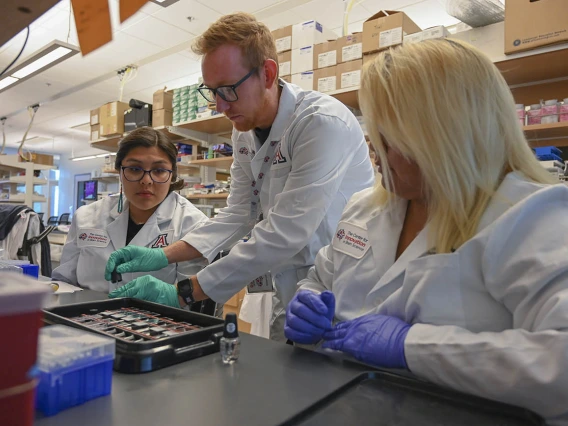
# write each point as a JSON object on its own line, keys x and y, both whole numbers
{"x": 373, "y": 339}
{"x": 308, "y": 316}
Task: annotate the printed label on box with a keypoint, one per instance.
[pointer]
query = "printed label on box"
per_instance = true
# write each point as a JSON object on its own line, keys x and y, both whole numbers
{"x": 352, "y": 52}
{"x": 308, "y": 50}
{"x": 327, "y": 59}
{"x": 113, "y": 108}
{"x": 390, "y": 37}
{"x": 349, "y": 79}
{"x": 283, "y": 44}
{"x": 305, "y": 76}
{"x": 327, "y": 84}
{"x": 94, "y": 135}
{"x": 94, "y": 119}
{"x": 285, "y": 68}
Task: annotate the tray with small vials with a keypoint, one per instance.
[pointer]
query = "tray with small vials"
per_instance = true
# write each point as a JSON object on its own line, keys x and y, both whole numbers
{"x": 148, "y": 335}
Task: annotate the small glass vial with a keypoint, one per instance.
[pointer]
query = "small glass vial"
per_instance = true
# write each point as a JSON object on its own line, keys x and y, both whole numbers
{"x": 230, "y": 343}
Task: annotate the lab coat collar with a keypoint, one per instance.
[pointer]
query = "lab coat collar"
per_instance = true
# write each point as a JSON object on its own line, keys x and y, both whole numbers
{"x": 286, "y": 109}
{"x": 384, "y": 243}
{"x": 118, "y": 228}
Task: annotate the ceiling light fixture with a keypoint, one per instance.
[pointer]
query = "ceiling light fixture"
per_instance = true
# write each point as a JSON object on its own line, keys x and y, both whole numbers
{"x": 91, "y": 157}
{"x": 48, "y": 56}
{"x": 164, "y": 3}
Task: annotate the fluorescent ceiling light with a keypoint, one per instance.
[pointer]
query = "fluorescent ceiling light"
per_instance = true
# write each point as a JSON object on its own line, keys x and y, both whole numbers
{"x": 88, "y": 157}
{"x": 42, "y": 62}
{"x": 48, "y": 56}
{"x": 5, "y": 82}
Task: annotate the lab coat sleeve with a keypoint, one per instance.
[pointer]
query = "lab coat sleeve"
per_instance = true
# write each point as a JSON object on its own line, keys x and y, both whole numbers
{"x": 525, "y": 267}
{"x": 67, "y": 269}
{"x": 230, "y": 224}
{"x": 322, "y": 155}
{"x": 320, "y": 276}
{"x": 193, "y": 218}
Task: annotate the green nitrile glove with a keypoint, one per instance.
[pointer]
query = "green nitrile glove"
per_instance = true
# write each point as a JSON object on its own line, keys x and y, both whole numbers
{"x": 150, "y": 289}
{"x": 135, "y": 259}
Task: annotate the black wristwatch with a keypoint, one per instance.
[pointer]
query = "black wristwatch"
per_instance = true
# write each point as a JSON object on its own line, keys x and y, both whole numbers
{"x": 185, "y": 290}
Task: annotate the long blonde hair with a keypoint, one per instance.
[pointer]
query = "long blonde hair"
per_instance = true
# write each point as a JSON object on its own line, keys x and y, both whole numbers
{"x": 445, "y": 106}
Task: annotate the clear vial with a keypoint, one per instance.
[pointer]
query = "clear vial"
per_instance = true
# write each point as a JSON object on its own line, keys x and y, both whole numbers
{"x": 230, "y": 342}
{"x": 230, "y": 349}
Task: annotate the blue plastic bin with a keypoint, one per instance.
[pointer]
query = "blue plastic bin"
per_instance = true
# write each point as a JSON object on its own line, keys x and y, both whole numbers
{"x": 548, "y": 153}
{"x": 74, "y": 367}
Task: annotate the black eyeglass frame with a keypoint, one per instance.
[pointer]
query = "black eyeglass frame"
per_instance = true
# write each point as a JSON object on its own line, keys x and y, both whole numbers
{"x": 233, "y": 87}
{"x": 144, "y": 174}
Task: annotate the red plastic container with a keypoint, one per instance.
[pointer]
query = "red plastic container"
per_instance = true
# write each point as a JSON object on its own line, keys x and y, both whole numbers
{"x": 21, "y": 300}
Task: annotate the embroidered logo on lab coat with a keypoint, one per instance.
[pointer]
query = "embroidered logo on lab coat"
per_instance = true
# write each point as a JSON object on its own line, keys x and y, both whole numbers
{"x": 279, "y": 158}
{"x": 93, "y": 238}
{"x": 161, "y": 241}
{"x": 351, "y": 240}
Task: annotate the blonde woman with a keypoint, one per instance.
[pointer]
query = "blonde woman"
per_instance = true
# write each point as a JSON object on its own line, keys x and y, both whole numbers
{"x": 455, "y": 266}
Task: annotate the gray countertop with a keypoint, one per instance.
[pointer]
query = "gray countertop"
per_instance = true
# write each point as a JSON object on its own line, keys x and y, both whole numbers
{"x": 270, "y": 383}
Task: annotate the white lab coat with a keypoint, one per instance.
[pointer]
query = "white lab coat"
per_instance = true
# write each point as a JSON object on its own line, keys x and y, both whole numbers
{"x": 324, "y": 160}
{"x": 489, "y": 319}
{"x": 98, "y": 229}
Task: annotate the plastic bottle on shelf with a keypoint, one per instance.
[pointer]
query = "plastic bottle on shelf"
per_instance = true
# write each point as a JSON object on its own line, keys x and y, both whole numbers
{"x": 549, "y": 111}
{"x": 521, "y": 113}
{"x": 564, "y": 110}
{"x": 534, "y": 114}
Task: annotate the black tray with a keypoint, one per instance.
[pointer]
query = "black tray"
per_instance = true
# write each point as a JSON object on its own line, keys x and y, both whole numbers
{"x": 147, "y": 355}
{"x": 384, "y": 399}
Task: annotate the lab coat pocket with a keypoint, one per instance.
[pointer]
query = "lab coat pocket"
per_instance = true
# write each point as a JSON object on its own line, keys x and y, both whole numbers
{"x": 278, "y": 178}
{"x": 432, "y": 290}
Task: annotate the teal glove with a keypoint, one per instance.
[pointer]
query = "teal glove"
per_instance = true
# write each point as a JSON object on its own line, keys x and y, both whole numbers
{"x": 150, "y": 289}
{"x": 135, "y": 259}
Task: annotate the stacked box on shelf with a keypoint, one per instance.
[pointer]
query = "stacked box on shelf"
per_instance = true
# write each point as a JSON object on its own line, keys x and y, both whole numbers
{"x": 548, "y": 153}
{"x": 162, "y": 111}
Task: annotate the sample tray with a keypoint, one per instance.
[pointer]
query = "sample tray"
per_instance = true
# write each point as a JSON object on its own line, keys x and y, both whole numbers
{"x": 384, "y": 399}
{"x": 148, "y": 335}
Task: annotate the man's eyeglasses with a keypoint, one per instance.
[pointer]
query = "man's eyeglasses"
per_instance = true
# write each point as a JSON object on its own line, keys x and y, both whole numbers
{"x": 227, "y": 93}
{"x": 136, "y": 174}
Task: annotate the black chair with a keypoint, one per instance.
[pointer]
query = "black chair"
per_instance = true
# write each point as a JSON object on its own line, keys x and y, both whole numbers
{"x": 52, "y": 221}
{"x": 64, "y": 219}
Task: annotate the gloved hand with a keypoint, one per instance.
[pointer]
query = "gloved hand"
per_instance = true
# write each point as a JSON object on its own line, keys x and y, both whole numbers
{"x": 308, "y": 316}
{"x": 150, "y": 289}
{"x": 373, "y": 339}
{"x": 135, "y": 259}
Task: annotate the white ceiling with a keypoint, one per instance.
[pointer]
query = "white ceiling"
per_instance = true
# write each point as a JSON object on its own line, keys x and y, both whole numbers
{"x": 158, "y": 40}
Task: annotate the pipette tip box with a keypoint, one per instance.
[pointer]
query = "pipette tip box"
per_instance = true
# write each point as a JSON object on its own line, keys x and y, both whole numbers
{"x": 74, "y": 366}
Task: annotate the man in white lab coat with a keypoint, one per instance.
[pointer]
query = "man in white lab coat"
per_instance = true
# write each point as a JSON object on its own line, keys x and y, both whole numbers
{"x": 456, "y": 266}
{"x": 298, "y": 157}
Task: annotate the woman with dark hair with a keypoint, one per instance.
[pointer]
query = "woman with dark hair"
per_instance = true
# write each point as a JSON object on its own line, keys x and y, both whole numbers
{"x": 147, "y": 213}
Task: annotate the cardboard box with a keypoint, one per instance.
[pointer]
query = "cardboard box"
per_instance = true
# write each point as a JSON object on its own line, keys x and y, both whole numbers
{"x": 163, "y": 99}
{"x": 349, "y": 74}
{"x": 325, "y": 54}
{"x": 285, "y": 63}
{"x": 370, "y": 57}
{"x": 310, "y": 33}
{"x": 287, "y": 78}
{"x": 305, "y": 80}
{"x": 428, "y": 34}
{"x": 325, "y": 79}
{"x": 385, "y": 29}
{"x": 95, "y": 132}
{"x": 45, "y": 159}
{"x": 283, "y": 39}
{"x": 350, "y": 48}
{"x": 95, "y": 116}
{"x": 112, "y": 118}
{"x": 162, "y": 117}
{"x": 531, "y": 24}
{"x": 302, "y": 59}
